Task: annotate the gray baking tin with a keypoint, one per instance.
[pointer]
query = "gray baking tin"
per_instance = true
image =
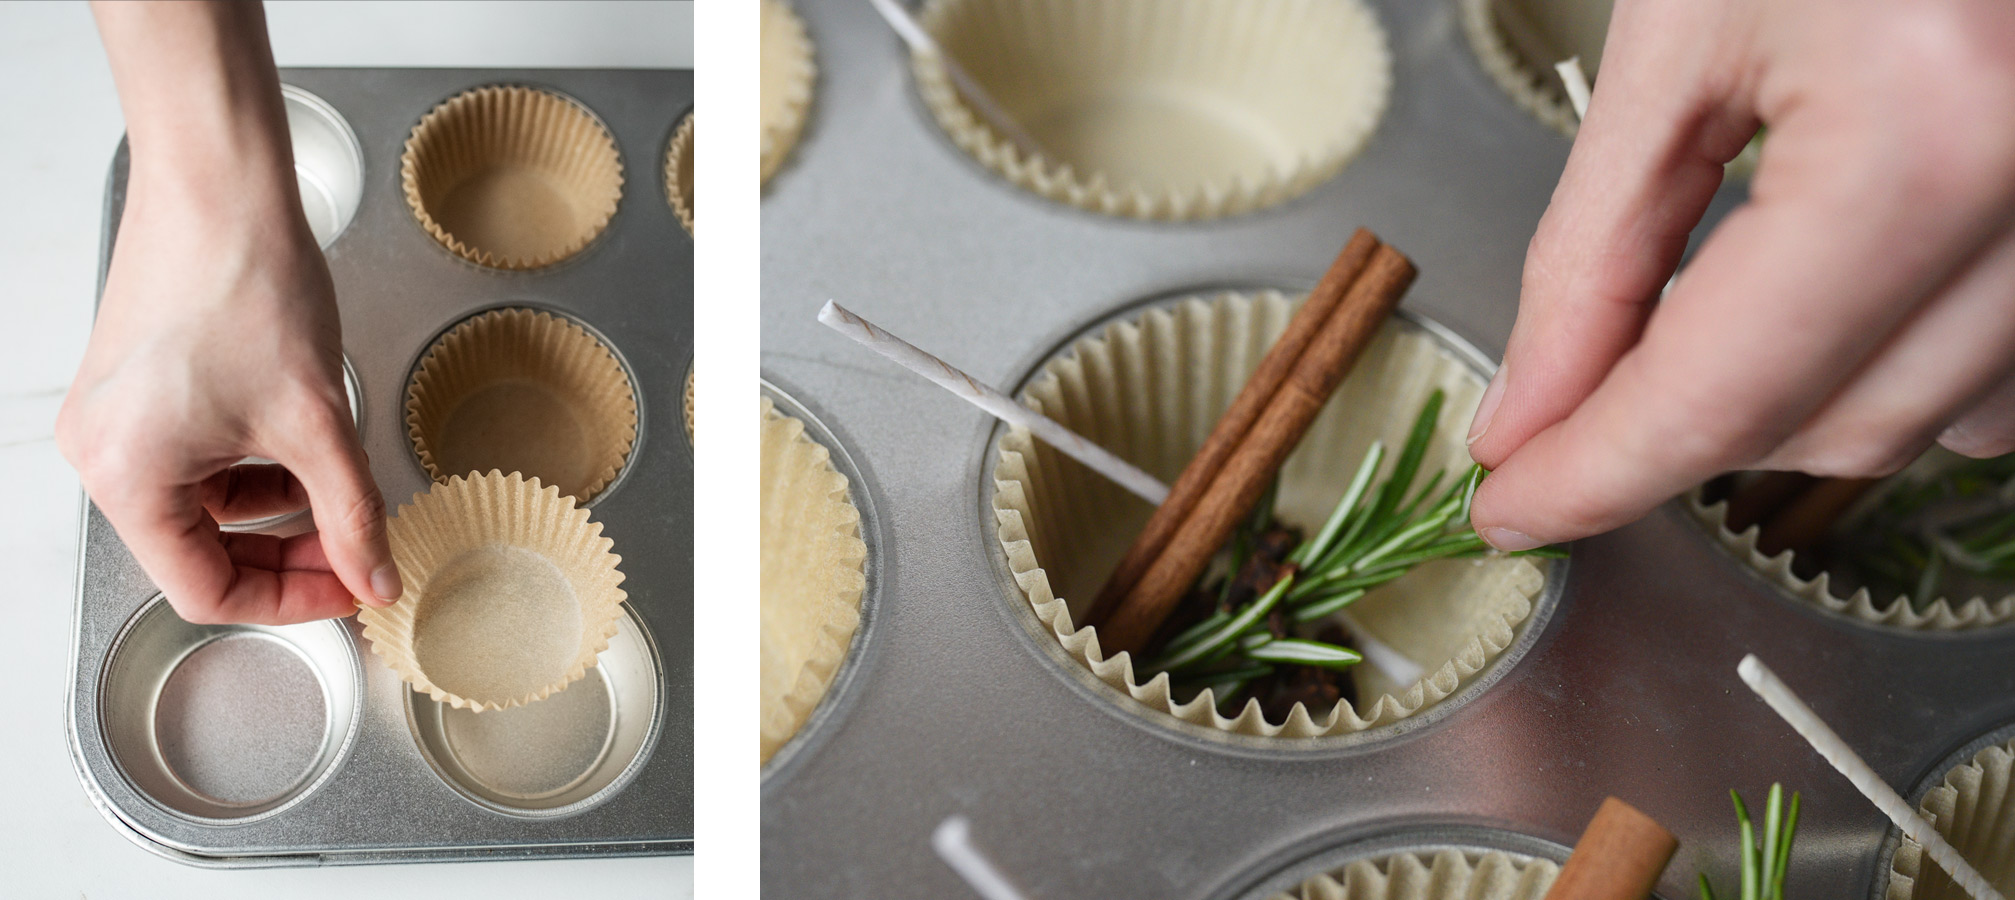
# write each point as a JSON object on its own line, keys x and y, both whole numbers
{"x": 373, "y": 792}
{"x": 963, "y": 705}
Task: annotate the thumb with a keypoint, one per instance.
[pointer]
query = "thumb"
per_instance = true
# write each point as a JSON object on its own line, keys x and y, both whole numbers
{"x": 349, "y": 510}
{"x": 1643, "y": 168}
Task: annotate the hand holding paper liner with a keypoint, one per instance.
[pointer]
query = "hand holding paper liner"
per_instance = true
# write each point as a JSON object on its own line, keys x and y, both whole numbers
{"x": 511, "y": 593}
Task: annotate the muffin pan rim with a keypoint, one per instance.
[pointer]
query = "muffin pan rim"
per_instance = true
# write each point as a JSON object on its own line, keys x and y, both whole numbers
{"x": 1327, "y": 852}
{"x": 843, "y": 692}
{"x": 1212, "y": 740}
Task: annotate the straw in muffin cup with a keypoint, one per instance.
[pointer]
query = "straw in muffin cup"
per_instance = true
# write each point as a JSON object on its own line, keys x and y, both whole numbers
{"x": 1973, "y": 807}
{"x": 1130, "y": 99}
{"x": 511, "y": 593}
{"x": 511, "y": 177}
{"x": 1150, "y": 388}
{"x": 813, "y": 575}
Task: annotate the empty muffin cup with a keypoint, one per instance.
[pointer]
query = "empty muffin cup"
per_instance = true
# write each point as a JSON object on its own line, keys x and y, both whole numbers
{"x": 565, "y": 753}
{"x": 523, "y": 391}
{"x": 679, "y": 173}
{"x": 1149, "y": 388}
{"x": 1463, "y": 864}
{"x": 1972, "y": 805}
{"x": 328, "y": 163}
{"x": 1837, "y": 591}
{"x": 512, "y": 177}
{"x": 785, "y": 86}
{"x": 1162, "y": 109}
{"x": 511, "y": 593}
{"x": 813, "y": 575}
{"x": 227, "y": 722}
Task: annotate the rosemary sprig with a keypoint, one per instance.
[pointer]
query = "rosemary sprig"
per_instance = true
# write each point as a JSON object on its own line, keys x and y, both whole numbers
{"x": 1921, "y": 536}
{"x": 1379, "y": 531}
{"x": 1765, "y": 862}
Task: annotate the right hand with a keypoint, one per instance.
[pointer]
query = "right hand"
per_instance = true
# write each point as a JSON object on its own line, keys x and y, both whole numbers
{"x": 216, "y": 339}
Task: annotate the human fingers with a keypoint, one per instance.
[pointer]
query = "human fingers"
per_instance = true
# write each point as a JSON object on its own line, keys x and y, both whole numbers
{"x": 288, "y": 581}
{"x": 322, "y": 451}
{"x": 252, "y": 491}
{"x": 1988, "y": 429}
{"x": 1645, "y": 164}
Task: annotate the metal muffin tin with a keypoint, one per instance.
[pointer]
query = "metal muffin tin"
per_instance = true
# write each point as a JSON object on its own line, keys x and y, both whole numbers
{"x": 965, "y": 705}
{"x": 250, "y": 746}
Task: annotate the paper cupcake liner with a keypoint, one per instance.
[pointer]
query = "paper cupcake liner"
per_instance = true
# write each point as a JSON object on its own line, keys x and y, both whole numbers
{"x": 813, "y": 575}
{"x": 511, "y": 593}
{"x": 1509, "y": 41}
{"x": 689, "y": 403}
{"x": 1974, "y": 808}
{"x": 1150, "y": 389}
{"x": 511, "y": 177}
{"x": 679, "y": 173}
{"x": 1128, "y": 96}
{"x": 788, "y": 72}
{"x": 523, "y": 391}
{"x": 1942, "y": 614}
{"x": 1447, "y": 875}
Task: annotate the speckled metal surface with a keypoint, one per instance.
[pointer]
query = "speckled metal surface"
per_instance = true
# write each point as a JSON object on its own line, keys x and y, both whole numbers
{"x": 964, "y": 706}
{"x": 398, "y": 290}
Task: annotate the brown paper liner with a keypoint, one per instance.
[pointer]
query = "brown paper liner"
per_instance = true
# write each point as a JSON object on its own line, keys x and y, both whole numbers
{"x": 511, "y": 593}
{"x": 1974, "y": 808}
{"x": 1149, "y": 389}
{"x": 679, "y": 173}
{"x": 523, "y": 391}
{"x": 1942, "y": 614}
{"x": 689, "y": 403}
{"x": 813, "y": 575}
{"x": 1129, "y": 97}
{"x": 788, "y": 73}
{"x": 511, "y": 177}
{"x": 1447, "y": 875}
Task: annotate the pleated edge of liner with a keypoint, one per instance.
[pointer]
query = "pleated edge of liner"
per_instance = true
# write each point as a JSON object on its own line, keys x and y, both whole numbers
{"x": 780, "y": 132}
{"x": 409, "y": 185}
{"x": 1117, "y": 671}
{"x": 835, "y": 638}
{"x": 375, "y": 631}
{"x": 1940, "y": 615}
{"x": 1443, "y": 869}
{"x": 1060, "y": 182}
{"x": 1908, "y": 864}
{"x": 675, "y": 152}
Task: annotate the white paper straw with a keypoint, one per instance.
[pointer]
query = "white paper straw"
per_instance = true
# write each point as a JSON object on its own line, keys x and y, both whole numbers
{"x": 1101, "y": 460}
{"x": 1394, "y": 665}
{"x": 953, "y": 841}
{"x": 1577, "y": 84}
{"x": 919, "y": 40}
{"x": 1808, "y": 725}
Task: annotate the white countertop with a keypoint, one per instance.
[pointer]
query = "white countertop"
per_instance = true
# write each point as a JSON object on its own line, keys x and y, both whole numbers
{"x": 59, "y": 123}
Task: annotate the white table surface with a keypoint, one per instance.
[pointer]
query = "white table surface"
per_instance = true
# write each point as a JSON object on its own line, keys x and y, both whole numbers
{"x": 59, "y": 123}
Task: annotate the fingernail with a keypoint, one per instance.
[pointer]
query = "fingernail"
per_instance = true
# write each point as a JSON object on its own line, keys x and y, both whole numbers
{"x": 385, "y": 582}
{"x": 1507, "y": 540}
{"x": 1487, "y": 407}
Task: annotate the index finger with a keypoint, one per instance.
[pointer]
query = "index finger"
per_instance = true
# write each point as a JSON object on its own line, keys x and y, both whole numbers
{"x": 214, "y": 578}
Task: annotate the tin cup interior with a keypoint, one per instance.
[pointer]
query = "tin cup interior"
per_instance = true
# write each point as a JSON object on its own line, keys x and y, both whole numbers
{"x": 328, "y": 163}
{"x": 298, "y": 522}
{"x": 562, "y": 754}
{"x": 227, "y": 722}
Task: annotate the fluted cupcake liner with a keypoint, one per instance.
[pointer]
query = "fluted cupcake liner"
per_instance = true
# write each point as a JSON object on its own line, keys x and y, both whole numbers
{"x": 1445, "y": 875}
{"x": 1941, "y": 614}
{"x": 679, "y": 173}
{"x": 511, "y": 177}
{"x": 813, "y": 575}
{"x": 523, "y": 391}
{"x": 511, "y": 593}
{"x": 1149, "y": 389}
{"x": 1974, "y": 808}
{"x": 787, "y": 76}
{"x": 1129, "y": 99}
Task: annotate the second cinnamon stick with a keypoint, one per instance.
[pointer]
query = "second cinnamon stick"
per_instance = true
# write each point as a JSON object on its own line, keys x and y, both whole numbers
{"x": 1237, "y": 486}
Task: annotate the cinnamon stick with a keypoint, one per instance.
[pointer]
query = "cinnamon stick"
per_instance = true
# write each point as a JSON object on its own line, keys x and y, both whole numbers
{"x": 1232, "y": 426}
{"x": 1237, "y": 486}
{"x": 1763, "y": 497}
{"x": 1805, "y": 520}
{"x": 1619, "y": 857}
